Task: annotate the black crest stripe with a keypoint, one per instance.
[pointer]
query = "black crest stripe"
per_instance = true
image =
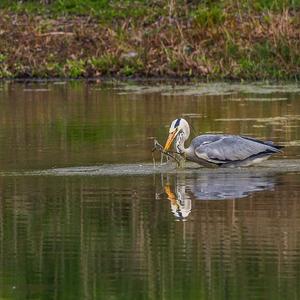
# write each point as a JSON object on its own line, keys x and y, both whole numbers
{"x": 177, "y": 122}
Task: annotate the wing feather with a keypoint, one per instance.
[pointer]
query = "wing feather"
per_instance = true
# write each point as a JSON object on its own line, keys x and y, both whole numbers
{"x": 230, "y": 148}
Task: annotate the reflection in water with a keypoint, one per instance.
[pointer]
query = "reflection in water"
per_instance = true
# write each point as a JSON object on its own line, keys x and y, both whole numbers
{"x": 108, "y": 238}
{"x": 214, "y": 186}
{"x": 181, "y": 205}
{"x": 78, "y": 124}
{"x": 105, "y": 237}
{"x": 227, "y": 186}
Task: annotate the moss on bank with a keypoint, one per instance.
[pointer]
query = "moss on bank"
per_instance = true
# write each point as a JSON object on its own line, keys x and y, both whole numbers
{"x": 252, "y": 40}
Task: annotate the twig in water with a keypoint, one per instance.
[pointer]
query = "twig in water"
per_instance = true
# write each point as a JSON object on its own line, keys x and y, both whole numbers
{"x": 160, "y": 148}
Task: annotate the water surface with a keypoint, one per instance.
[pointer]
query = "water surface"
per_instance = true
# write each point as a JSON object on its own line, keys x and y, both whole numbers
{"x": 57, "y": 125}
{"x": 139, "y": 233}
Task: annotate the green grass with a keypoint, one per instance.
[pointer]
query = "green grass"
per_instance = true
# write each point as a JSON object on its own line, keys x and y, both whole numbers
{"x": 102, "y": 9}
{"x": 208, "y": 16}
{"x": 103, "y": 63}
{"x": 75, "y": 68}
{"x": 206, "y": 12}
{"x": 236, "y": 39}
{"x": 273, "y": 5}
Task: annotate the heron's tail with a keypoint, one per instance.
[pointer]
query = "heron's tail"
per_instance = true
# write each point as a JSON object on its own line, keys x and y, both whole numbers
{"x": 277, "y": 147}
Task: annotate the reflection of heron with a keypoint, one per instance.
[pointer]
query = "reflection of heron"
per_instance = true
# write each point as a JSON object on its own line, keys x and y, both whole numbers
{"x": 218, "y": 149}
{"x": 218, "y": 186}
{"x": 222, "y": 186}
{"x": 180, "y": 202}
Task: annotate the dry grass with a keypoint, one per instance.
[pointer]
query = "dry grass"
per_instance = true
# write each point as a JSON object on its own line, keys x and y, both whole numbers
{"x": 226, "y": 44}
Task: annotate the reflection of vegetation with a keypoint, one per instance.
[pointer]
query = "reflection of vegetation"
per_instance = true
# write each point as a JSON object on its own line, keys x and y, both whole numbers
{"x": 108, "y": 238}
{"x": 80, "y": 124}
{"x": 209, "y": 39}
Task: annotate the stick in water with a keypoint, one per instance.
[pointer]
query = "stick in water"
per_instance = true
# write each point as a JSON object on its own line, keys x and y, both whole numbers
{"x": 160, "y": 148}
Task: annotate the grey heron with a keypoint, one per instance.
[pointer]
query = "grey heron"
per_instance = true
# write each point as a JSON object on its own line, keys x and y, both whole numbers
{"x": 218, "y": 149}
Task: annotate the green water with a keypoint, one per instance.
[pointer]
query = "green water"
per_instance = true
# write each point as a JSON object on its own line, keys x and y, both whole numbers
{"x": 209, "y": 235}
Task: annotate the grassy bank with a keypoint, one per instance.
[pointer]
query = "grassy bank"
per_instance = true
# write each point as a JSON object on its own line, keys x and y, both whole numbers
{"x": 230, "y": 39}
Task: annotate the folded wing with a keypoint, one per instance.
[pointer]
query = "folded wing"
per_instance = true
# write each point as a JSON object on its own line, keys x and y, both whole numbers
{"x": 231, "y": 148}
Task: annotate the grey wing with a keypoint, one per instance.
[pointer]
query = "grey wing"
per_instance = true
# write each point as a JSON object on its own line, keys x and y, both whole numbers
{"x": 232, "y": 148}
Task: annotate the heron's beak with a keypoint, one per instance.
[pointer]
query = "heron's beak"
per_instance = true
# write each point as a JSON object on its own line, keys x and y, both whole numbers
{"x": 170, "y": 194}
{"x": 170, "y": 139}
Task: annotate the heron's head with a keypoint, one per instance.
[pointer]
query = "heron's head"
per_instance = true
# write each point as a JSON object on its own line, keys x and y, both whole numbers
{"x": 177, "y": 126}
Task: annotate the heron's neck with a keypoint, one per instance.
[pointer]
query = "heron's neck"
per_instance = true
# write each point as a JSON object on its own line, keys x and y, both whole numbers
{"x": 179, "y": 143}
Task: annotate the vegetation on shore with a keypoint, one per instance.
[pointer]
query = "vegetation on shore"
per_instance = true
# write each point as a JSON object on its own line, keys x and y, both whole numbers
{"x": 228, "y": 39}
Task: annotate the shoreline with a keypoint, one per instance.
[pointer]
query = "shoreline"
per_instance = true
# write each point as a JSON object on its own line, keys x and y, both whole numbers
{"x": 150, "y": 80}
{"x": 260, "y": 46}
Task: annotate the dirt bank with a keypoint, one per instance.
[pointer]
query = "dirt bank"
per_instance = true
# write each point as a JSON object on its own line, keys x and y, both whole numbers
{"x": 232, "y": 45}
